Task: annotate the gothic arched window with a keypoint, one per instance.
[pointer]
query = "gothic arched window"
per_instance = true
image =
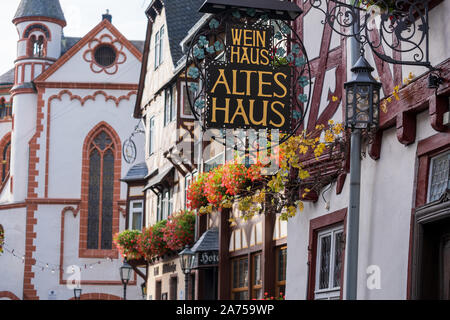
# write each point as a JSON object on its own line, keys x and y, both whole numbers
{"x": 5, "y": 156}
{"x": 2, "y": 108}
{"x": 101, "y": 192}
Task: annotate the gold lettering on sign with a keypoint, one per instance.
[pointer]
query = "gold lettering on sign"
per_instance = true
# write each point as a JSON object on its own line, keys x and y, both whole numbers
{"x": 219, "y": 81}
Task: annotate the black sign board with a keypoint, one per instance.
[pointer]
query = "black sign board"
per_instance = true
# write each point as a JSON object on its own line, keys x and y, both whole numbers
{"x": 207, "y": 258}
{"x": 247, "y": 90}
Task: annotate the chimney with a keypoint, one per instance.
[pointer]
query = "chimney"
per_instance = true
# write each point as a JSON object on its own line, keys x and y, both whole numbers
{"x": 107, "y": 16}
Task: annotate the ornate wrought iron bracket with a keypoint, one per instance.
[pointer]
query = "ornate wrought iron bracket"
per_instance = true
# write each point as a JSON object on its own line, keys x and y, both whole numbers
{"x": 401, "y": 26}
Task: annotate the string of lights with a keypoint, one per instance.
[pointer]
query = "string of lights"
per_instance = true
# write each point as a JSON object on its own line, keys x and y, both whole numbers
{"x": 47, "y": 266}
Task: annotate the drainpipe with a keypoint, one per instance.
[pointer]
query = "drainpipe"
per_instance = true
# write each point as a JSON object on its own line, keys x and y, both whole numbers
{"x": 355, "y": 186}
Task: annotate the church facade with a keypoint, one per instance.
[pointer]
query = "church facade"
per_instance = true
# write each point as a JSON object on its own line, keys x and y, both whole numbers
{"x": 65, "y": 112}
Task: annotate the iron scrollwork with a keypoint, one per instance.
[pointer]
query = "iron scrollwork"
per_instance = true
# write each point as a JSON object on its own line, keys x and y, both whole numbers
{"x": 399, "y": 25}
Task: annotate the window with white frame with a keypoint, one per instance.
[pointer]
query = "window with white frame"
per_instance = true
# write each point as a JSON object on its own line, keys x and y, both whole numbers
{"x": 169, "y": 105}
{"x": 135, "y": 215}
{"x": 439, "y": 179}
{"x": 187, "y": 182}
{"x": 329, "y": 262}
{"x": 159, "y": 36}
{"x": 151, "y": 136}
{"x": 164, "y": 204}
{"x": 185, "y": 91}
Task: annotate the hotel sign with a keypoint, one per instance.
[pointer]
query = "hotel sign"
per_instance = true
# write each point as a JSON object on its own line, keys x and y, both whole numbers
{"x": 245, "y": 89}
{"x": 207, "y": 259}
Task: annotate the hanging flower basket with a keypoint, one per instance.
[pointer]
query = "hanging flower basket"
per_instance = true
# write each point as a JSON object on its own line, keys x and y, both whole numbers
{"x": 152, "y": 243}
{"x": 236, "y": 177}
{"x": 127, "y": 242}
{"x": 215, "y": 192}
{"x": 195, "y": 193}
{"x": 179, "y": 230}
{"x": 145, "y": 243}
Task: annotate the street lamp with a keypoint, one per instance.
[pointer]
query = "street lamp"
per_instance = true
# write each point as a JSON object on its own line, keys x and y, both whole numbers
{"x": 186, "y": 260}
{"x": 77, "y": 293}
{"x": 362, "y": 111}
{"x": 125, "y": 275}
{"x": 363, "y": 98}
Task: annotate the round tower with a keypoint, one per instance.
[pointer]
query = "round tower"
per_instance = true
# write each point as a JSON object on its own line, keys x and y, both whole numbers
{"x": 40, "y": 26}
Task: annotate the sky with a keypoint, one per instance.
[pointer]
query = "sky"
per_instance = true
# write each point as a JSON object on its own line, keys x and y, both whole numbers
{"x": 81, "y": 16}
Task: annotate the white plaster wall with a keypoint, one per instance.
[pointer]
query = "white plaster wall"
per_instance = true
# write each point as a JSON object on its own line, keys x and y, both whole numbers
{"x": 11, "y": 268}
{"x": 48, "y": 245}
{"x": 313, "y": 31}
{"x": 386, "y": 200}
{"x": 165, "y": 279}
{"x": 80, "y": 70}
{"x": 24, "y": 111}
{"x": 69, "y": 126}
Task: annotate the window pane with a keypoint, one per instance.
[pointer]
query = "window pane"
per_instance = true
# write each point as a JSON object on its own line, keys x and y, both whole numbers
{"x": 102, "y": 141}
{"x": 161, "y": 46}
{"x": 282, "y": 264}
{"x": 339, "y": 246}
{"x": 6, "y": 156}
{"x": 324, "y": 271}
{"x": 257, "y": 270}
{"x": 236, "y": 273}
{"x": 167, "y": 106}
{"x": 173, "y": 104}
{"x": 159, "y": 208}
{"x": 151, "y": 138}
{"x": 245, "y": 273}
{"x": 107, "y": 199}
{"x": 137, "y": 205}
{"x": 93, "y": 200}
{"x": 186, "y": 107}
{"x": 170, "y": 206}
{"x": 157, "y": 50}
{"x": 439, "y": 176}
{"x": 137, "y": 218}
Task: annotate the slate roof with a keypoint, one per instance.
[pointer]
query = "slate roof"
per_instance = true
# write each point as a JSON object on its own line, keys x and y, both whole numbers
{"x": 40, "y": 8}
{"x": 69, "y": 42}
{"x": 180, "y": 16}
{"x": 139, "y": 44}
{"x": 209, "y": 241}
{"x": 7, "y": 77}
{"x": 136, "y": 173}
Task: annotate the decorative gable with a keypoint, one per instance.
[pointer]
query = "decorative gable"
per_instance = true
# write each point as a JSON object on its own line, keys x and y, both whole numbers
{"x": 103, "y": 55}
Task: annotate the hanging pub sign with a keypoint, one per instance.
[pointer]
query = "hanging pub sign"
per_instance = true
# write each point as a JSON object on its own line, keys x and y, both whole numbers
{"x": 247, "y": 68}
{"x": 246, "y": 90}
